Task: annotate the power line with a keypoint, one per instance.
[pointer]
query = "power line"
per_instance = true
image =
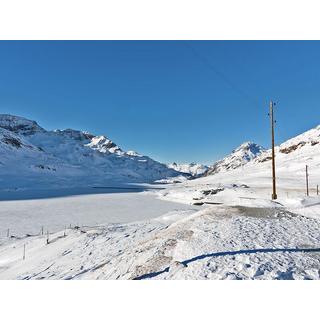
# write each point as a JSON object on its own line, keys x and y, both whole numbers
{"x": 219, "y": 73}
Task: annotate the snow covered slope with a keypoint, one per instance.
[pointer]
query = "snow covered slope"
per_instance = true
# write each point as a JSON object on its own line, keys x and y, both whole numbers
{"x": 193, "y": 169}
{"x": 235, "y": 232}
{"x": 303, "y": 144}
{"x": 30, "y": 156}
{"x": 296, "y": 148}
{"x": 19, "y": 125}
{"x": 239, "y": 157}
{"x": 250, "y": 184}
{"x": 214, "y": 243}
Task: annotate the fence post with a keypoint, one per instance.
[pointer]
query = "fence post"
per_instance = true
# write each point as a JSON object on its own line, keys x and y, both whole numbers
{"x": 307, "y": 181}
{"x": 47, "y": 236}
{"x": 8, "y": 233}
{"x": 24, "y": 252}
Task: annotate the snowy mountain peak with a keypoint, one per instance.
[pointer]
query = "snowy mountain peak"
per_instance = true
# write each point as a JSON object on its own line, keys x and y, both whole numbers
{"x": 19, "y": 125}
{"x": 104, "y": 145}
{"x": 132, "y": 153}
{"x": 31, "y": 155}
{"x": 193, "y": 169}
{"x": 75, "y": 134}
{"x": 246, "y": 152}
{"x": 246, "y": 144}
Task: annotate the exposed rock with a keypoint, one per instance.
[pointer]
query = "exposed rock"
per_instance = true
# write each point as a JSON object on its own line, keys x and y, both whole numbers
{"x": 240, "y": 156}
{"x": 76, "y": 134}
{"x": 292, "y": 148}
{"x": 12, "y": 142}
{"x": 19, "y": 124}
{"x": 212, "y": 191}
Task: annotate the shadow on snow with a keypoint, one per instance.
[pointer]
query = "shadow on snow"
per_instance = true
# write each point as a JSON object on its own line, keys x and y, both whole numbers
{"x": 228, "y": 253}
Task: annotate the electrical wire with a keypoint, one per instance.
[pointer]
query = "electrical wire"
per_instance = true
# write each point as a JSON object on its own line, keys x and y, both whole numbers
{"x": 219, "y": 73}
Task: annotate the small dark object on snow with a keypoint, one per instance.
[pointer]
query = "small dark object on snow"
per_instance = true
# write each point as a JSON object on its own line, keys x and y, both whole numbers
{"x": 198, "y": 203}
{"x": 212, "y": 191}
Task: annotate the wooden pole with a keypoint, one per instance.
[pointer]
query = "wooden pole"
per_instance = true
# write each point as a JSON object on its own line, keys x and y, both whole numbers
{"x": 8, "y": 233}
{"x": 317, "y": 189}
{"x": 24, "y": 252}
{"x": 47, "y": 236}
{"x": 307, "y": 181}
{"x": 274, "y": 188}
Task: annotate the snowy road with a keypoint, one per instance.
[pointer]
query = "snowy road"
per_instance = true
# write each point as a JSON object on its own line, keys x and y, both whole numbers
{"x": 104, "y": 206}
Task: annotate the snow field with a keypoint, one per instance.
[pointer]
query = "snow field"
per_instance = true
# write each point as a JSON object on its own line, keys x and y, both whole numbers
{"x": 215, "y": 243}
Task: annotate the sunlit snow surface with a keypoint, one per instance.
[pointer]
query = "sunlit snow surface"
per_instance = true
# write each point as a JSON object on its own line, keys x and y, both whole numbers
{"x": 235, "y": 231}
{"x": 55, "y": 210}
{"x": 216, "y": 243}
{"x": 34, "y": 158}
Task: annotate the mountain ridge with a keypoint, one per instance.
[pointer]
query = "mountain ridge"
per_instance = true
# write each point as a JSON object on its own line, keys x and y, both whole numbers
{"x": 240, "y": 156}
{"x": 250, "y": 152}
{"x": 194, "y": 169}
{"x": 32, "y": 155}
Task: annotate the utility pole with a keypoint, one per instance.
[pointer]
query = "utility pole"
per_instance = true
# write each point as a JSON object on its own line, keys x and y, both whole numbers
{"x": 274, "y": 188}
{"x": 307, "y": 181}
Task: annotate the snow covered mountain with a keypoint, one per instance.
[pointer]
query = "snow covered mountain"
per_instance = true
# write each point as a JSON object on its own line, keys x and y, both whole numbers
{"x": 235, "y": 231}
{"x": 239, "y": 157}
{"x": 251, "y": 184}
{"x": 194, "y": 169}
{"x": 33, "y": 156}
{"x": 297, "y": 147}
{"x": 19, "y": 125}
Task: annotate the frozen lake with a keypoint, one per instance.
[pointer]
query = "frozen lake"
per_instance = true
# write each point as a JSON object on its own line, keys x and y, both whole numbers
{"x": 54, "y": 211}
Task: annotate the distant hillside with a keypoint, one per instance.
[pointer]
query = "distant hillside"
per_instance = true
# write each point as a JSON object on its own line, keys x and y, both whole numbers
{"x": 31, "y": 156}
{"x": 239, "y": 157}
{"x": 194, "y": 169}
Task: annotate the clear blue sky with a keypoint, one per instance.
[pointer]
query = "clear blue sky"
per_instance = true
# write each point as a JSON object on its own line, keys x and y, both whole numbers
{"x": 172, "y": 100}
